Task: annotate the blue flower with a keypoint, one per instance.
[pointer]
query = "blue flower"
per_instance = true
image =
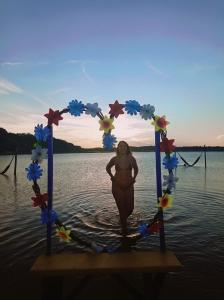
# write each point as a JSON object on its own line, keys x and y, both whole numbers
{"x": 34, "y": 172}
{"x": 143, "y": 229}
{"x": 96, "y": 248}
{"x": 132, "y": 107}
{"x": 76, "y": 108}
{"x": 111, "y": 249}
{"x": 170, "y": 162}
{"x": 41, "y": 133}
{"x": 147, "y": 111}
{"x": 109, "y": 141}
{"x": 92, "y": 109}
{"x": 48, "y": 218}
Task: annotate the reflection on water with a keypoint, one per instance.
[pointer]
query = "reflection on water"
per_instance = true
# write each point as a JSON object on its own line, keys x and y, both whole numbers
{"x": 82, "y": 198}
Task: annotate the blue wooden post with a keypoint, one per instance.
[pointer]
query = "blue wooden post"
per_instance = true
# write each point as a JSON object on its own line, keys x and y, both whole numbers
{"x": 159, "y": 188}
{"x": 50, "y": 187}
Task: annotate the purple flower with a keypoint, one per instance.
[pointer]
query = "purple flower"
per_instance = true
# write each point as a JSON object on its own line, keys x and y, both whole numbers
{"x": 147, "y": 111}
{"x": 92, "y": 109}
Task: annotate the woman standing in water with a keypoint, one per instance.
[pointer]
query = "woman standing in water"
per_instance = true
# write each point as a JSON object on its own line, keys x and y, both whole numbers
{"x": 123, "y": 181}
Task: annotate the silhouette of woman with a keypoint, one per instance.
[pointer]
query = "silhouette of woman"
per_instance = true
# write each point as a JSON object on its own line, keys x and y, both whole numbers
{"x": 123, "y": 181}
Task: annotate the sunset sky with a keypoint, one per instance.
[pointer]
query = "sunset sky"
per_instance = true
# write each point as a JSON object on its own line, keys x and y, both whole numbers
{"x": 169, "y": 54}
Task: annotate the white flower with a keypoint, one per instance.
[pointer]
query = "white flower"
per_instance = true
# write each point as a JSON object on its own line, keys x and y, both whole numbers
{"x": 170, "y": 180}
{"x": 39, "y": 154}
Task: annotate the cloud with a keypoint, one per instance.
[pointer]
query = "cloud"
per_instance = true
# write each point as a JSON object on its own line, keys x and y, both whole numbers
{"x": 82, "y": 64}
{"x": 41, "y": 63}
{"x": 60, "y": 91}
{"x": 86, "y": 74}
{"x": 17, "y": 63}
{"x": 220, "y": 136}
{"x": 37, "y": 99}
{"x": 20, "y": 119}
{"x": 7, "y": 87}
{"x": 11, "y": 64}
{"x": 154, "y": 69}
{"x": 79, "y": 61}
{"x": 201, "y": 68}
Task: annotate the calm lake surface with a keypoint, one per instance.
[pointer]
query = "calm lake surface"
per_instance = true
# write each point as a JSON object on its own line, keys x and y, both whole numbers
{"x": 194, "y": 226}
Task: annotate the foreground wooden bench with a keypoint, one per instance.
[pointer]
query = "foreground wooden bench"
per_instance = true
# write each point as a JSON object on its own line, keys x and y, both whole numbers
{"x": 154, "y": 265}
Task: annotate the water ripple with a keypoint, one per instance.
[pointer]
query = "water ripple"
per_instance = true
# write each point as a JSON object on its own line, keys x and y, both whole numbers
{"x": 82, "y": 198}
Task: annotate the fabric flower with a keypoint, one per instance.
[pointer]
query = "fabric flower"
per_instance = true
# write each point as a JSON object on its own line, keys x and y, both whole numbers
{"x": 111, "y": 249}
{"x": 147, "y": 111}
{"x": 50, "y": 217}
{"x": 96, "y": 248}
{"x": 40, "y": 200}
{"x": 170, "y": 162}
{"x": 109, "y": 141}
{"x": 165, "y": 201}
{"x": 116, "y": 109}
{"x": 92, "y": 109}
{"x": 143, "y": 229}
{"x": 53, "y": 117}
{"x": 167, "y": 145}
{"x": 132, "y": 107}
{"x": 106, "y": 124}
{"x": 64, "y": 234}
{"x": 39, "y": 154}
{"x": 76, "y": 107}
{"x": 41, "y": 133}
{"x": 155, "y": 227}
{"x": 160, "y": 123}
{"x": 170, "y": 181}
{"x": 34, "y": 172}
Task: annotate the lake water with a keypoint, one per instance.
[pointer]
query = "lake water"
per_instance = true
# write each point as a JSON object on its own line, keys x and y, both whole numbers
{"x": 194, "y": 226}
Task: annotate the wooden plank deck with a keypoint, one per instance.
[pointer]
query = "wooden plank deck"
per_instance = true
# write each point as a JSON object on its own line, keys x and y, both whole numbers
{"x": 88, "y": 263}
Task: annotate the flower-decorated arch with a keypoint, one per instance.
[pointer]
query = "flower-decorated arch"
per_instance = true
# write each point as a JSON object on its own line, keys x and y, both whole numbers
{"x": 44, "y": 135}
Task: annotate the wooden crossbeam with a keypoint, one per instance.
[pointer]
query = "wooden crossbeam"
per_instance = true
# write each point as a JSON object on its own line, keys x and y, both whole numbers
{"x": 106, "y": 263}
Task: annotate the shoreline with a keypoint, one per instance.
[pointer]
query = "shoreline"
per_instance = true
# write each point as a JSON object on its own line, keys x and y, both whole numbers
{"x": 133, "y": 149}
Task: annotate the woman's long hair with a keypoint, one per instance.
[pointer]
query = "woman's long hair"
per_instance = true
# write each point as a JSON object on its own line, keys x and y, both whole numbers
{"x": 128, "y": 148}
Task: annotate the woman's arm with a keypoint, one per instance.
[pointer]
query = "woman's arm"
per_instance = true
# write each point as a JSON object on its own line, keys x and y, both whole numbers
{"x": 109, "y": 166}
{"x": 135, "y": 167}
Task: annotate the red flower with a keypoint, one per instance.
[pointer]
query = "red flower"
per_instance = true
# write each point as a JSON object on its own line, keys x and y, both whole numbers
{"x": 155, "y": 227}
{"x": 53, "y": 117}
{"x": 39, "y": 200}
{"x": 116, "y": 109}
{"x": 162, "y": 122}
{"x": 165, "y": 201}
{"x": 167, "y": 145}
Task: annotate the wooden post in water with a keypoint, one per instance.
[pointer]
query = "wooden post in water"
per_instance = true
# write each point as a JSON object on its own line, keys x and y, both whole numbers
{"x": 15, "y": 163}
{"x": 159, "y": 189}
{"x": 205, "y": 157}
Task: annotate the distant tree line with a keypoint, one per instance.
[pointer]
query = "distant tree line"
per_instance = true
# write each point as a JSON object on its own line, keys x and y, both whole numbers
{"x": 23, "y": 144}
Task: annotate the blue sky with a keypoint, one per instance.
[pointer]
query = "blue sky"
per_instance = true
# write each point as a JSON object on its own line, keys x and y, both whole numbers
{"x": 169, "y": 54}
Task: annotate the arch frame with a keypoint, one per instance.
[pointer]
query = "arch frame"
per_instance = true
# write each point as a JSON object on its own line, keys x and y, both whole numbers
{"x": 162, "y": 144}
